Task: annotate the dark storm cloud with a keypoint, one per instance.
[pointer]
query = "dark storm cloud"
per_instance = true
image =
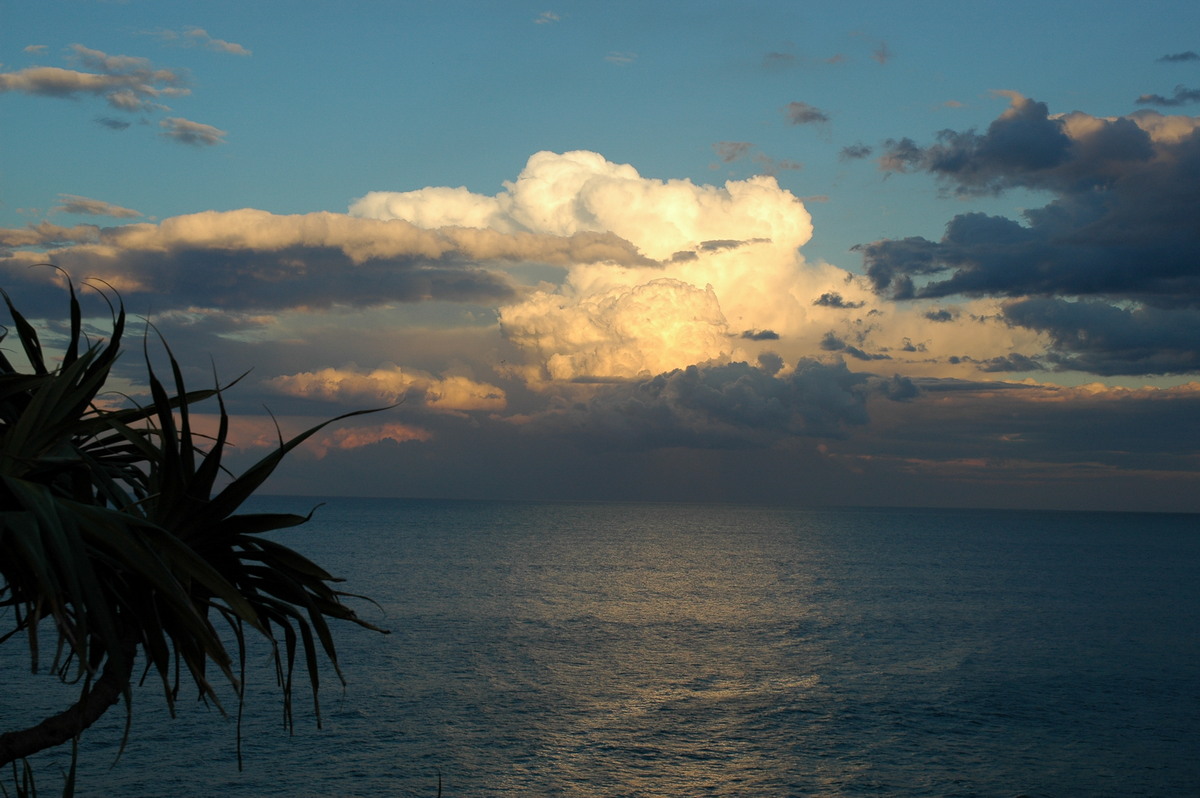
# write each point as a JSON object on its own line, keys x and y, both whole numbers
{"x": 1013, "y": 362}
{"x": 832, "y": 343}
{"x": 833, "y": 299}
{"x": 1123, "y": 227}
{"x": 942, "y": 315}
{"x": 899, "y": 388}
{"x": 1104, "y": 339}
{"x": 731, "y": 406}
{"x": 760, "y": 335}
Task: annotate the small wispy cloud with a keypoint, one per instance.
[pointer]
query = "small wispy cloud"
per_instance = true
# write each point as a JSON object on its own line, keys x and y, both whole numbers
{"x": 799, "y": 113}
{"x": 1182, "y": 96}
{"x": 620, "y": 57}
{"x": 730, "y": 151}
{"x": 112, "y": 124}
{"x": 1190, "y": 55}
{"x": 776, "y": 61}
{"x": 85, "y": 206}
{"x": 201, "y": 37}
{"x": 546, "y": 18}
{"x": 35, "y": 49}
{"x": 196, "y": 134}
{"x": 854, "y": 152}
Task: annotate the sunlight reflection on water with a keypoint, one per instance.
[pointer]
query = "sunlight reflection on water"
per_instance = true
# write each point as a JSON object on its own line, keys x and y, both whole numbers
{"x": 655, "y": 650}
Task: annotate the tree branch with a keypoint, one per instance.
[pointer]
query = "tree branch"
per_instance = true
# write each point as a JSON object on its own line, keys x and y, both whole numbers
{"x": 70, "y": 723}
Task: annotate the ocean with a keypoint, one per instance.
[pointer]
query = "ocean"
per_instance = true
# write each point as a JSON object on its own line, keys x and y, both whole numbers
{"x": 604, "y": 650}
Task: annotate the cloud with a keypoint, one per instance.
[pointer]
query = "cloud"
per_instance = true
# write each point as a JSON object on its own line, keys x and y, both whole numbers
{"x": 776, "y": 61}
{"x": 620, "y": 333}
{"x": 799, "y": 113}
{"x": 1123, "y": 195}
{"x": 1013, "y": 362}
{"x": 732, "y": 405}
{"x": 251, "y": 258}
{"x": 195, "y": 134}
{"x": 620, "y": 58}
{"x": 73, "y": 203}
{"x": 390, "y": 384}
{"x": 126, "y": 91}
{"x": 112, "y": 124}
{"x": 45, "y": 234}
{"x": 854, "y": 152}
{"x": 717, "y": 262}
{"x": 546, "y": 18}
{"x": 1120, "y": 230}
{"x": 1104, "y": 339}
{"x": 1182, "y": 96}
{"x": 201, "y": 37}
{"x": 729, "y": 151}
{"x": 1180, "y": 57}
{"x": 619, "y": 322}
{"x": 832, "y": 299}
{"x": 36, "y": 49}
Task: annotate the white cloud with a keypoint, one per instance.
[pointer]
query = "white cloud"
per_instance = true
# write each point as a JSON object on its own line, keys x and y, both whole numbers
{"x": 730, "y": 280}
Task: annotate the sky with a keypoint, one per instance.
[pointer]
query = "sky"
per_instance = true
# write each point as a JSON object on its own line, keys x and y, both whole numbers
{"x": 822, "y": 253}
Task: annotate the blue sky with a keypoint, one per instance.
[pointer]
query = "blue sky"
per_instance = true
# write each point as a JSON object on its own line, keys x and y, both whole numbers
{"x": 869, "y": 252}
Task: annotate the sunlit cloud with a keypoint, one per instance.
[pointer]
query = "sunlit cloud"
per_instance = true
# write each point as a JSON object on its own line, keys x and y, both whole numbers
{"x": 73, "y": 203}
{"x": 390, "y": 384}
{"x": 196, "y": 134}
{"x": 201, "y": 37}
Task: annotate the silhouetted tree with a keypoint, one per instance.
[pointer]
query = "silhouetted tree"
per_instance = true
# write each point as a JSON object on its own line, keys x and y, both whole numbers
{"x": 121, "y": 541}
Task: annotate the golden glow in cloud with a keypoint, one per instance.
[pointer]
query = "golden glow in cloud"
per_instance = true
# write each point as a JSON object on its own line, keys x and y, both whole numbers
{"x": 726, "y": 270}
{"x": 389, "y": 384}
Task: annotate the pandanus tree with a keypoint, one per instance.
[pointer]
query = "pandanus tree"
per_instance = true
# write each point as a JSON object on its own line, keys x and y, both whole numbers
{"x": 124, "y": 548}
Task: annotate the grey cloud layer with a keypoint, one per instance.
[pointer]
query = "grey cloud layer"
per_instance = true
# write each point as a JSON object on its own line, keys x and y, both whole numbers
{"x": 255, "y": 259}
{"x": 734, "y": 405}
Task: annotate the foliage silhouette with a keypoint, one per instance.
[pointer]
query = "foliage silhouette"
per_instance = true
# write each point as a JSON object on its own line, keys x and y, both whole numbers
{"x": 121, "y": 540}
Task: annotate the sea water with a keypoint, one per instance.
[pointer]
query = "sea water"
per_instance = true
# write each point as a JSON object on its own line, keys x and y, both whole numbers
{"x": 694, "y": 650}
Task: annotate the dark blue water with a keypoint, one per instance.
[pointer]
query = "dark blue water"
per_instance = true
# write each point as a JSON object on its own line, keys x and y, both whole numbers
{"x": 667, "y": 650}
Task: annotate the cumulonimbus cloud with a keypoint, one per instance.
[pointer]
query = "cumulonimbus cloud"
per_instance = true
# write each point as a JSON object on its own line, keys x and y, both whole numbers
{"x": 724, "y": 266}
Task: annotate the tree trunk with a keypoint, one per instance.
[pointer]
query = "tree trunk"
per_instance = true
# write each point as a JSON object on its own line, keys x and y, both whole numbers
{"x": 70, "y": 723}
